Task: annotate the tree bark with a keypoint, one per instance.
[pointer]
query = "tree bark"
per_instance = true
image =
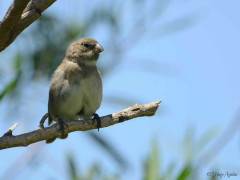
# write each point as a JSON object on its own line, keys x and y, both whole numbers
{"x": 19, "y": 16}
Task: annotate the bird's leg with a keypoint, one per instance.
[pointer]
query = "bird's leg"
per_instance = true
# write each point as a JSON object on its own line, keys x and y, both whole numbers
{"x": 41, "y": 123}
{"x": 62, "y": 123}
{"x": 97, "y": 118}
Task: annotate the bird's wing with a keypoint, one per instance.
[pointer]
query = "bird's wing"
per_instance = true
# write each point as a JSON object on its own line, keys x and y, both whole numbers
{"x": 65, "y": 75}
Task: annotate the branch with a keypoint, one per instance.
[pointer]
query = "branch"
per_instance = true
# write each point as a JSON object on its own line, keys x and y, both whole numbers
{"x": 20, "y": 15}
{"x": 9, "y": 141}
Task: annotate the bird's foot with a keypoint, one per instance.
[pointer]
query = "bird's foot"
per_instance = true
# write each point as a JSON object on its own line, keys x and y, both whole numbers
{"x": 62, "y": 123}
{"x": 98, "y": 120}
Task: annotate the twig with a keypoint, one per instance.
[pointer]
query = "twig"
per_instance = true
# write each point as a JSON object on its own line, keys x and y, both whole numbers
{"x": 20, "y": 15}
{"x": 10, "y": 130}
{"x": 77, "y": 125}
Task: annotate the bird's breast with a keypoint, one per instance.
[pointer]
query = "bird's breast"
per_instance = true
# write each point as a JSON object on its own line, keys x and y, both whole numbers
{"x": 92, "y": 95}
{"x": 84, "y": 97}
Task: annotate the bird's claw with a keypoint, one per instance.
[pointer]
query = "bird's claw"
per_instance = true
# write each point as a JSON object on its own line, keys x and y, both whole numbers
{"x": 98, "y": 120}
{"x": 62, "y": 123}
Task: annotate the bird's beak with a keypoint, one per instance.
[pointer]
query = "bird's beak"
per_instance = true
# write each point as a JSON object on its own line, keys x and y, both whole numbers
{"x": 99, "y": 48}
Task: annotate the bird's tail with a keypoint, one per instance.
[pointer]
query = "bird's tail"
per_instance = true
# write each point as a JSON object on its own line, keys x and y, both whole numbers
{"x": 50, "y": 119}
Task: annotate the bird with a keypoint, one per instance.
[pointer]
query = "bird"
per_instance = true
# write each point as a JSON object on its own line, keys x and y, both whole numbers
{"x": 76, "y": 86}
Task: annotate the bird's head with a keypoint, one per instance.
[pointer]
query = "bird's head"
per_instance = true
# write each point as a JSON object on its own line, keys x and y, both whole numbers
{"x": 85, "y": 50}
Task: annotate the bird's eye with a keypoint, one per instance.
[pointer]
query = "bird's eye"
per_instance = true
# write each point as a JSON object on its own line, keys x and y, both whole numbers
{"x": 86, "y": 45}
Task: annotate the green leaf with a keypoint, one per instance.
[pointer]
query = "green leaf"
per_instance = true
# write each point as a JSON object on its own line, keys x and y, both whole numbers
{"x": 94, "y": 171}
{"x": 72, "y": 169}
{"x": 9, "y": 87}
{"x": 17, "y": 65}
{"x": 185, "y": 173}
{"x": 152, "y": 164}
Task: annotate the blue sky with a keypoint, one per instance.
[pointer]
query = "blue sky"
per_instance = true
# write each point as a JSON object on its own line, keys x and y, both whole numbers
{"x": 197, "y": 80}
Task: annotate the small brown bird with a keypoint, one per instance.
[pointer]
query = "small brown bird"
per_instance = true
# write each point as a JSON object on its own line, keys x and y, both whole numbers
{"x": 76, "y": 86}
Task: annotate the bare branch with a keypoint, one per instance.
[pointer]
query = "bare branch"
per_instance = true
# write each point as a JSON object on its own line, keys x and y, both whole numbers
{"x": 13, "y": 14}
{"x": 76, "y": 125}
{"x": 10, "y": 130}
{"x": 20, "y": 15}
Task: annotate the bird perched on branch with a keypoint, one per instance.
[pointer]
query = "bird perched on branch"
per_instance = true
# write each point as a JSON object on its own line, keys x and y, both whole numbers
{"x": 76, "y": 86}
